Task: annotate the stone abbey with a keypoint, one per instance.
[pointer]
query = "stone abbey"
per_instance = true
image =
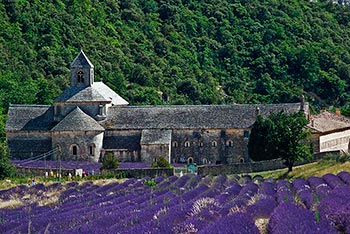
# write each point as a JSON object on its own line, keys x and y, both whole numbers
{"x": 89, "y": 119}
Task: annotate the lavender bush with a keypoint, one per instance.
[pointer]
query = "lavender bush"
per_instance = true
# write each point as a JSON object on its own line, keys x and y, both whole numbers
{"x": 189, "y": 204}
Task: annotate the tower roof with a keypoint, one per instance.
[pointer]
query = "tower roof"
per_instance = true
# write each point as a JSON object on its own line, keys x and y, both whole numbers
{"x": 77, "y": 120}
{"x": 98, "y": 92}
{"x": 81, "y": 61}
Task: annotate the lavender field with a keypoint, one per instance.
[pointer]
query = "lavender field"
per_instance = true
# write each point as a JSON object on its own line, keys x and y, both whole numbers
{"x": 188, "y": 204}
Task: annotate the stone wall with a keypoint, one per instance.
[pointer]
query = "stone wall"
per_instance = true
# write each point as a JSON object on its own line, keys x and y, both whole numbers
{"x": 27, "y": 171}
{"x": 207, "y": 146}
{"x": 239, "y": 168}
{"x": 82, "y": 140}
{"x": 28, "y": 144}
{"x": 152, "y": 152}
{"x": 125, "y": 144}
{"x": 141, "y": 172}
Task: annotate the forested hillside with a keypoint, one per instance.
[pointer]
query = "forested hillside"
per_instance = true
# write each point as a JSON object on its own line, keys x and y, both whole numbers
{"x": 178, "y": 51}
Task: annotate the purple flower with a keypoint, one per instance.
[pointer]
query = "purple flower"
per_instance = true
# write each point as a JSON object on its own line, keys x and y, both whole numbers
{"x": 262, "y": 208}
{"x": 332, "y": 180}
{"x": 344, "y": 176}
{"x": 237, "y": 223}
{"x": 336, "y": 208}
{"x": 291, "y": 218}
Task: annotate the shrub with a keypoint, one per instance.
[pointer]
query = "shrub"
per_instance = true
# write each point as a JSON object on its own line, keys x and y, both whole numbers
{"x": 162, "y": 163}
{"x": 110, "y": 162}
{"x": 150, "y": 183}
{"x": 7, "y": 169}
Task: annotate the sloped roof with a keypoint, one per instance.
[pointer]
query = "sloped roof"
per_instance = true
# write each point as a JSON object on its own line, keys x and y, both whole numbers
{"x": 81, "y": 61}
{"x": 155, "y": 136}
{"x": 189, "y": 117}
{"x": 97, "y": 92}
{"x": 29, "y": 118}
{"x": 77, "y": 120}
{"x": 328, "y": 121}
{"x": 109, "y": 94}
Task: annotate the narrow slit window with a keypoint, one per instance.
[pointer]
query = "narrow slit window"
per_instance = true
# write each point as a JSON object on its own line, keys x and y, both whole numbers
{"x": 80, "y": 76}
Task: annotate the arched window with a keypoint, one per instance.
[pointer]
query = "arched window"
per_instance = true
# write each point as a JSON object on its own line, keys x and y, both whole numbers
{"x": 205, "y": 161}
{"x": 241, "y": 160}
{"x": 200, "y": 144}
{"x": 190, "y": 160}
{"x": 214, "y": 144}
{"x": 229, "y": 143}
{"x": 175, "y": 144}
{"x": 80, "y": 76}
{"x": 74, "y": 150}
{"x": 187, "y": 144}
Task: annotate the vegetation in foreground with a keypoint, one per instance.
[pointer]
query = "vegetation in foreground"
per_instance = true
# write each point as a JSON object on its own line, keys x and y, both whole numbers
{"x": 187, "y": 204}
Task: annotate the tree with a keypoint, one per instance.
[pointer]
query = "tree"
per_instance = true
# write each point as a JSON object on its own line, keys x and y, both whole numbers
{"x": 110, "y": 162}
{"x": 7, "y": 169}
{"x": 258, "y": 141}
{"x": 279, "y": 135}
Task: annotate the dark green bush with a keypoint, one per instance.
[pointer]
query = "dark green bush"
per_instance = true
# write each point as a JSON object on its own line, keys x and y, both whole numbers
{"x": 110, "y": 162}
{"x": 7, "y": 169}
{"x": 161, "y": 162}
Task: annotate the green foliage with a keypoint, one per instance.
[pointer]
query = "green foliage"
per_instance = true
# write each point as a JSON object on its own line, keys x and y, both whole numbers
{"x": 192, "y": 52}
{"x": 110, "y": 162}
{"x": 258, "y": 141}
{"x": 279, "y": 136}
{"x": 161, "y": 162}
{"x": 7, "y": 169}
{"x": 150, "y": 183}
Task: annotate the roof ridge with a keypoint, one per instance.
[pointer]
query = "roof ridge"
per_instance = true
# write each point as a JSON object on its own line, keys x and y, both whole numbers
{"x": 217, "y": 105}
{"x": 29, "y": 105}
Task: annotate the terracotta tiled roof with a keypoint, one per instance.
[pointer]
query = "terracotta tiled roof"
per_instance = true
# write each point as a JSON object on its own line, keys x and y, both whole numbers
{"x": 328, "y": 121}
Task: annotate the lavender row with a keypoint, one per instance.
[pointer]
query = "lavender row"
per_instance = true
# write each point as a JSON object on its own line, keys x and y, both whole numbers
{"x": 187, "y": 204}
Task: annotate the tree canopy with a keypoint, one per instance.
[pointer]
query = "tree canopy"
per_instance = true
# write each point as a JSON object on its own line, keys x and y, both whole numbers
{"x": 280, "y": 136}
{"x": 178, "y": 52}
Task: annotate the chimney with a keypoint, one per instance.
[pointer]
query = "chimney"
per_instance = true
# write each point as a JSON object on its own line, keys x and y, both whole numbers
{"x": 338, "y": 111}
{"x": 257, "y": 111}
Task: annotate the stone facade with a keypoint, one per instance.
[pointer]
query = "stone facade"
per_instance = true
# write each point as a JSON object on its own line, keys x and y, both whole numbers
{"x": 89, "y": 119}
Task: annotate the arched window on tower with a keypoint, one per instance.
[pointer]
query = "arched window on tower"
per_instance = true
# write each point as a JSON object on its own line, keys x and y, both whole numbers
{"x": 80, "y": 76}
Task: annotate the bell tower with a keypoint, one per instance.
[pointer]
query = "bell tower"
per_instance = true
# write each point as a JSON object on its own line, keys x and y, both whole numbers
{"x": 82, "y": 71}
